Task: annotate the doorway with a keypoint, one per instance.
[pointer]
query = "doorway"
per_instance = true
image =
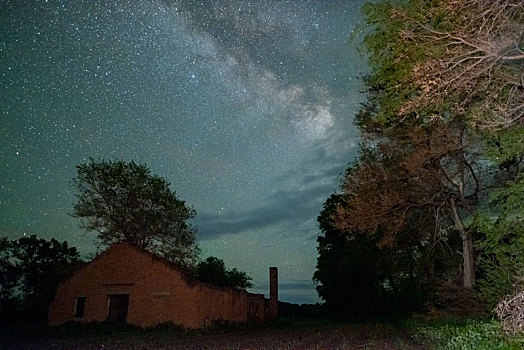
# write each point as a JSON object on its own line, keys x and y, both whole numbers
{"x": 118, "y": 304}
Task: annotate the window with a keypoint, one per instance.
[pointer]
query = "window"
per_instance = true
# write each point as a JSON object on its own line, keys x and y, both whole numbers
{"x": 250, "y": 311}
{"x": 79, "y": 308}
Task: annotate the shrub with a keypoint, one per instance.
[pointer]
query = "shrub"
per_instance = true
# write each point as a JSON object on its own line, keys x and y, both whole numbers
{"x": 510, "y": 311}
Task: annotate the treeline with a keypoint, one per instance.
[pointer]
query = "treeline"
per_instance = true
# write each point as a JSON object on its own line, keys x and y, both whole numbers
{"x": 30, "y": 270}
{"x": 436, "y": 195}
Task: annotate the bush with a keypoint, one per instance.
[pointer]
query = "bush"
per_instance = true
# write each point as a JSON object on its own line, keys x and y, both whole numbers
{"x": 510, "y": 311}
{"x": 501, "y": 240}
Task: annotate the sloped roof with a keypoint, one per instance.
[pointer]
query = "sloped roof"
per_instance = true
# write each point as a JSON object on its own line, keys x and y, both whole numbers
{"x": 189, "y": 278}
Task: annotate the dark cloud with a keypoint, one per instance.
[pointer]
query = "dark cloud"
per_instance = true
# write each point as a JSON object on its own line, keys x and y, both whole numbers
{"x": 285, "y": 207}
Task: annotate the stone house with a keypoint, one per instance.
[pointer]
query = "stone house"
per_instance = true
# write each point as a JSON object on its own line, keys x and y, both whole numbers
{"x": 128, "y": 284}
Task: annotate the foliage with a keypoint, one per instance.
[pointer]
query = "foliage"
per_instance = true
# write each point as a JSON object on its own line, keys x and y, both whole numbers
{"x": 8, "y": 278}
{"x": 124, "y": 201}
{"x": 357, "y": 278}
{"x": 448, "y": 59}
{"x": 281, "y": 334}
{"x": 213, "y": 270}
{"x": 464, "y": 335}
{"x": 446, "y": 76}
{"x": 450, "y": 300}
{"x": 412, "y": 171}
{"x": 415, "y": 187}
{"x": 441, "y": 126}
{"x": 342, "y": 264}
{"x": 502, "y": 242}
{"x": 506, "y": 149}
{"x": 31, "y": 270}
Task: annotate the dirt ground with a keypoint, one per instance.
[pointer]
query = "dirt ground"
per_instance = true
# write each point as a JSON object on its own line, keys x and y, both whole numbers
{"x": 302, "y": 337}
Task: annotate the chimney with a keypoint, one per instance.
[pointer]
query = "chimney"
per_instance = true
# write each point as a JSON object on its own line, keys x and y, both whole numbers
{"x": 273, "y": 292}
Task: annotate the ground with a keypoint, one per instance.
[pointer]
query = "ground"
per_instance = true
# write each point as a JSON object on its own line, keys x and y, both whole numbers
{"x": 285, "y": 335}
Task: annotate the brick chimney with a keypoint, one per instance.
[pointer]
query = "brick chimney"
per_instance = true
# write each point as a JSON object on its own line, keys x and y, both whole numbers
{"x": 273, "y": 292}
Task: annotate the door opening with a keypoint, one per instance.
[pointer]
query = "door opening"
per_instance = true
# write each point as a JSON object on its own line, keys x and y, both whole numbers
{"x": 118, "y": 304}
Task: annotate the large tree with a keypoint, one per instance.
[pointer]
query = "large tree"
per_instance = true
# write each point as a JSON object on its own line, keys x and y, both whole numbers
{"x": 425, "y": 178}
{"x": 355, "y": 277}
{"x": 448, "y": 59}
{"x": 124, "y": 201}
{"x": 445, "y": 76}
{"x": 346, "y": 272}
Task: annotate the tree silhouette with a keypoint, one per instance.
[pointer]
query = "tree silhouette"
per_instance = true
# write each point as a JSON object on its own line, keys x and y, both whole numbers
{"x": 123, "y": 201}
{"x": 213, "y": 270}
{"x": 31, "y": 270}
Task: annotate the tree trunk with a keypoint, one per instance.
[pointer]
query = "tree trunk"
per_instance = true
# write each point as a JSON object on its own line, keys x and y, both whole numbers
{"x": 467, "y": 249}
{"x": 468, "y": 260}
{"x": 430, "y": 269}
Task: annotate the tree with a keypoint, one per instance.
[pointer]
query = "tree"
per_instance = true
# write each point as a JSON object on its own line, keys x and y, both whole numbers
{"x": 449, "y": 59}
{"x": 355, "y": 277}
{"x": 346, "y": 272}
{"x": 427, "y": 178}
{"x": 445, "y": 76}
{"x": 8, "y": 278}
{"x": 479, "y": 74}
{"x": 32, "y": 268}
{"x": 213, "y": 270}
{"x": 501, "y": 242}
{"x": 123, "y": 201}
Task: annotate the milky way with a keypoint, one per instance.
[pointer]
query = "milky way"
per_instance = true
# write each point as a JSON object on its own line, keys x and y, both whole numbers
{"x": 246, "y": 107}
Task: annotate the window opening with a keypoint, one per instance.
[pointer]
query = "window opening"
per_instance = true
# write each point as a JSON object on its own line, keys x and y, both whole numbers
{"x": 80, "y": 305}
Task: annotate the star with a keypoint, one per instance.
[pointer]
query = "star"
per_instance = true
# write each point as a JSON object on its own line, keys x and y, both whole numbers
{"x": 245, "y": 107}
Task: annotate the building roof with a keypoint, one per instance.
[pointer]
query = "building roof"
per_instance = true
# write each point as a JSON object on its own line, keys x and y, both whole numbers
{"x": 188, "y": 277}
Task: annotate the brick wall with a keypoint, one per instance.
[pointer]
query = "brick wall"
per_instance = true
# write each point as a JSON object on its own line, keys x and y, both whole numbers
{"x": 158, "y": 292}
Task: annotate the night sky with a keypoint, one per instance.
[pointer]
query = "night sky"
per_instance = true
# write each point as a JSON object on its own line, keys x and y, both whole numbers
{"x": 245, "y": 107}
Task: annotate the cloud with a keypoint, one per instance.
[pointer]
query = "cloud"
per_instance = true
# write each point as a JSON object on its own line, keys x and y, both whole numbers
{"x": 293, "y": 116}
{"x": 285, "y": 207}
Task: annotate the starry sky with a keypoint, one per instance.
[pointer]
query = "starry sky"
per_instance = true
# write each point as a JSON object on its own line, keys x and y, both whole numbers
{"x": 245, "y": 107}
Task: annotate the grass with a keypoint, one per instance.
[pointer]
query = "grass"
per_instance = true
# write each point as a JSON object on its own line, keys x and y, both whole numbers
{"x": 285, "y": 334}
{"x": 486, "y": 334}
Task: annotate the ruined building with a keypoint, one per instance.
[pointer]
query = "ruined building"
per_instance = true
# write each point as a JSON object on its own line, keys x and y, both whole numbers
{"x": 128, "y": 284}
